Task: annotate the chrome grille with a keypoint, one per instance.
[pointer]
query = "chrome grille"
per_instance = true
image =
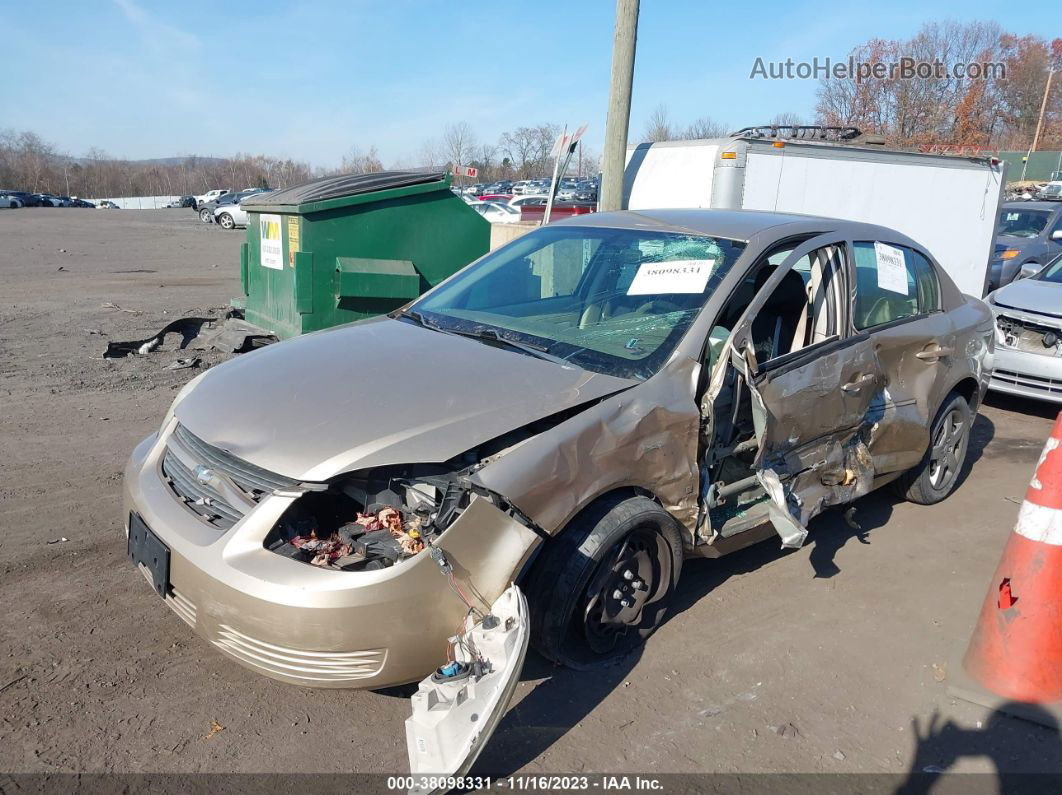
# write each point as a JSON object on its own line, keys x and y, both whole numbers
{"x": 200, "y": 498}
{"x": 1052, "y": 386}
{"x": 185, "y": 453}
{"x": 247, "y": 476}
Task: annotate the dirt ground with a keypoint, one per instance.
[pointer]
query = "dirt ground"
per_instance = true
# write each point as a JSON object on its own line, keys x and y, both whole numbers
{"x": 832, "y": 658}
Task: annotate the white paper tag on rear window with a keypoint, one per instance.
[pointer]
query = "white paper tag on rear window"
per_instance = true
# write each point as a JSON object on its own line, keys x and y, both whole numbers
{"x": 892, "y": 273}
{"x": 676, "y": 276}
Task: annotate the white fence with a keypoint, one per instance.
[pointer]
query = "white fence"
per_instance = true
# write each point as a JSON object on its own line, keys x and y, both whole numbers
{"x": 138, "y": 202}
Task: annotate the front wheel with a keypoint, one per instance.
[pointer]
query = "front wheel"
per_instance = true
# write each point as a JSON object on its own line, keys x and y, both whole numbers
{"x": 206, "y": 216}
{"x": 937, "y": 474}
{"x": 604, "y": 585}
{"x": 226, "y": 221}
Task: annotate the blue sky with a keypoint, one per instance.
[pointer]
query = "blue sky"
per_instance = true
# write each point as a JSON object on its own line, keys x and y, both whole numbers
{"x": 309, "y": 80}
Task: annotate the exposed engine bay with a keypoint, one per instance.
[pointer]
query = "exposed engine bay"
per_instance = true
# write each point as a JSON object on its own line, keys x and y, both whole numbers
{"x": 1029, "y": 337}
{"x": 371, "y": 520}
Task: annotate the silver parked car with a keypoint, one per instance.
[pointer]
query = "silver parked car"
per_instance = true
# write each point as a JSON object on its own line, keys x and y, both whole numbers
{"x": 574, "y": 413}
{"x": 1028, "y": 357}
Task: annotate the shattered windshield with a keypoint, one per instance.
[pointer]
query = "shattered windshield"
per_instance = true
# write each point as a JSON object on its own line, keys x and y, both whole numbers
{"x": 613, "y": 301}
{"x": 1022, "y": 223}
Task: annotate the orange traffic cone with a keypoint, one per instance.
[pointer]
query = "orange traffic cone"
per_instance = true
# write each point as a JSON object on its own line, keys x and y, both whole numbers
{"x": 1016, "y": 648}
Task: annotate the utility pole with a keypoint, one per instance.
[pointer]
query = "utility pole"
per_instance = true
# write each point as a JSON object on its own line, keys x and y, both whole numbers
{"x": 1039, "y": 121}
{"x": 619, "y": 104}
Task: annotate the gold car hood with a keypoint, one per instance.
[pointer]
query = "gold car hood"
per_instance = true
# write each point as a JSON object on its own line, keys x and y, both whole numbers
{"x": 377, "y": 392}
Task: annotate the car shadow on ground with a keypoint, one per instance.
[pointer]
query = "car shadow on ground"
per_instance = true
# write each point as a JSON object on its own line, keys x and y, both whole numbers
{"x": 835, "y": 528}
{"x": 566, "y": 697}
{"x": 1026, "y": 754}
{"x": 1021, "y": 405}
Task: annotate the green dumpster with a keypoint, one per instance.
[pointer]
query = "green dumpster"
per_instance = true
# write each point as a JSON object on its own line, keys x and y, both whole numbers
{"x": 345, "y": 248}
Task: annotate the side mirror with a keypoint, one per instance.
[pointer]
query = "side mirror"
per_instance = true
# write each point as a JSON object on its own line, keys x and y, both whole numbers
{"x": 1057, "y": 235}
{"x": 1028, "y": 270}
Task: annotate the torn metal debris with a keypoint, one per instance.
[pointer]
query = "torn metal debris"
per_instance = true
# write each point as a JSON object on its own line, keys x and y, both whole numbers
{"x": 230, "y": 334}
{"x": 185, "y": 364}
{"x": 187, "y": 327}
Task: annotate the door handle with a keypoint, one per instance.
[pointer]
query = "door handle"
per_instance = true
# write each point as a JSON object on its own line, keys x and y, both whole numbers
{"x": 934, "y": 353}
{"x": 858, "y": 383}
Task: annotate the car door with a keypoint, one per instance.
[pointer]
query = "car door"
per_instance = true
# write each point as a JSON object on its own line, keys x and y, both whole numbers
{"x": 815, "y": 408}
{"x": 457, "y": 708}
{"x": 896, "y": 302}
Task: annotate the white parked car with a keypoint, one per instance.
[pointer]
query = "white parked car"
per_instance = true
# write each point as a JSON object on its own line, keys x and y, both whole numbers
{"x": 1052, "y": 191}
{"x": 210, "y": 196}
{"x": 531, "y": 198}
{"x": 496, "y": 212}
{"x": 230, "y": 216}
{"x": 9, "y": 202}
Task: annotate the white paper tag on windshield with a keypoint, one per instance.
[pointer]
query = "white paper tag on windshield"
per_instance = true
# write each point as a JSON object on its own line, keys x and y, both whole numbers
{"x": 892, "y": 273}
{"x": 676, "y": 276}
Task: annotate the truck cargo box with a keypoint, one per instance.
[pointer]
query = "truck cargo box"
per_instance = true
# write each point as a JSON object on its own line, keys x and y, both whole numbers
{"x": 949, "y": 204}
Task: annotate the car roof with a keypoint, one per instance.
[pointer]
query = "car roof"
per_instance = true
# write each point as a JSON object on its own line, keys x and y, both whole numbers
{"x": 738, "y": 224}
{"x": 1032, "y": 205}
{"x": 731, "y": 224}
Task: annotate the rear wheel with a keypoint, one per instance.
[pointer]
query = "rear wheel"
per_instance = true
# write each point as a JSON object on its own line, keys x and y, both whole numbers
{"x": 604, "y": 585}
{"x": 206, "y": 216}
{"x": 937, "y": 475}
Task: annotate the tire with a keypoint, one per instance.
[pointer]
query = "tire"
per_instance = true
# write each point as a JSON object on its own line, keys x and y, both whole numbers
{"x": 206, "y": 216}
{"x": 610, "y": 548}
{"x": 938, "y": 473}
{"x": 226, "y": 222}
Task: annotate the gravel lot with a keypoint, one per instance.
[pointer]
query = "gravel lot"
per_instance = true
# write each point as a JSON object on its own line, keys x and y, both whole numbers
{"x": 831, "y": 658}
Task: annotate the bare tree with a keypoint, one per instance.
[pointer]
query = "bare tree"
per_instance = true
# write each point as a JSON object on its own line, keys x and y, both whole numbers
{"x": 989, "y": 108}
{"x": 431, "y": 154}
{"x": 704, "y": 127}
{"x": 587, "y": 161}
{"x": 357, "y": 162}
{"x": 658, "y": 127}
{"x": 787, "y": 119}
{"x": 459, "y": 141}
{"x": 527, "y": 149}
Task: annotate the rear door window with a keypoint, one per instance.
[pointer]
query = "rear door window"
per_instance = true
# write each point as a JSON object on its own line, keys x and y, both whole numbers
{"x": 892, "y": 283}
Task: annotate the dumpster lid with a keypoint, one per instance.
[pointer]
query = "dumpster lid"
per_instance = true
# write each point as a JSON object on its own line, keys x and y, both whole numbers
{"x": 342, "y": 185}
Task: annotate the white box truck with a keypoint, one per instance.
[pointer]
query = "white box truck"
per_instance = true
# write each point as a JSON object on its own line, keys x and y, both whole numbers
{"x": 950, "y": 204}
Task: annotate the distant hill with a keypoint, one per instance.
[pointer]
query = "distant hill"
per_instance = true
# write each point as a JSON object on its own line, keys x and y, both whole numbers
{"x": 155, "y": 161}
{"x": 176, "y": 161}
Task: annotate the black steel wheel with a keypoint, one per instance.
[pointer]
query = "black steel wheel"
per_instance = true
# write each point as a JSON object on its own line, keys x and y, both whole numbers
{"x": 604, "y": 584}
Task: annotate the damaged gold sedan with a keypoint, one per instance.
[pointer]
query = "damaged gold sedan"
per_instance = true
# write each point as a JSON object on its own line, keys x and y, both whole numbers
{"x": 573, "y": 413}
